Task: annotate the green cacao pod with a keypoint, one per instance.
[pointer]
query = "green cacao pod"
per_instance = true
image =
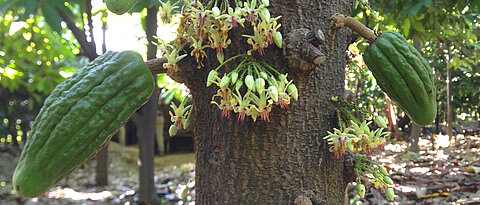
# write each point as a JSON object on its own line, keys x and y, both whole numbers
{"x": 403, "y": 73}
{"x": 79, "y": 117}
{"x": 120, "y": 6}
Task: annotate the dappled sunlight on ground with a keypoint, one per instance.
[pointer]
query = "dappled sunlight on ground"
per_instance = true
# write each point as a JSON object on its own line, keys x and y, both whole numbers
{"x": 68, "y": 193}
{"x": 172, "y": 174}
{"x": 443, "y": 172}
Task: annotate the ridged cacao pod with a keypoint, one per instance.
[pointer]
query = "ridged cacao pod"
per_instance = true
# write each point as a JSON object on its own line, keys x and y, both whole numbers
{"x": 79, "y": 117}
{"x": 403, "y": 73}
{"x": 120, "y": 6}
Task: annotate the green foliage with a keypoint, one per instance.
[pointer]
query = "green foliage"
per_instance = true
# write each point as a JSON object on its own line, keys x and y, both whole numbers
{"x": 33, "y": 60}
{"x": 447, "y": 33}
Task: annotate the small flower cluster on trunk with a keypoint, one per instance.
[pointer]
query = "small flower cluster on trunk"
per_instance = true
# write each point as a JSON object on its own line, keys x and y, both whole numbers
{"x": 265, "y": 87}
{"x": 354, "y": 136}
{"x": 203, "y": 27}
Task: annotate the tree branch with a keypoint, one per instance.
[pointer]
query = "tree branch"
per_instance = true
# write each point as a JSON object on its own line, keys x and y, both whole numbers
{"x": 90, "y": 27}
{"x": 156, "y": 65}
{"x": 340, "y": 21}
{"x": 79, "y": 35}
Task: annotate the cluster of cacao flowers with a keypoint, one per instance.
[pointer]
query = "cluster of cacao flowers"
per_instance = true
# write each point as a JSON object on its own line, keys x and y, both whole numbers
{"x": 207, "y": 26}
{"x": 180, "y": 116}
{"x": 377, "y": 174}
{"x": 263, "y": 85}
{"x": 356, "y": 138}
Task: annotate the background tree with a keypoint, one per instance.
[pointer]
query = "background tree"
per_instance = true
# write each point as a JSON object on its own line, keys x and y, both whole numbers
{"x": 434, "y": 24}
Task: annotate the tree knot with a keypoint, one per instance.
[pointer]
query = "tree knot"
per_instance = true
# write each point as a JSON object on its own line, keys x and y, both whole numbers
{"x": 302, "y": 48}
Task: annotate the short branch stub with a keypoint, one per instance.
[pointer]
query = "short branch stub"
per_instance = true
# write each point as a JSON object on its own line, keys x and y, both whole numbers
{"x": 302, "y": 200}
{"x": 308, "y": 197}
{"x": 301, "y": 48}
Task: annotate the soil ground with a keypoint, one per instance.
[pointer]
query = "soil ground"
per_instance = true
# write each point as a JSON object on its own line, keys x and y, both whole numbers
{"x": 442, "y": 173}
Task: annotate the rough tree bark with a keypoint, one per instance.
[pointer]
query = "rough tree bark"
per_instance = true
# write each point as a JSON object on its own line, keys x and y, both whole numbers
{"x": 275, "y": 162}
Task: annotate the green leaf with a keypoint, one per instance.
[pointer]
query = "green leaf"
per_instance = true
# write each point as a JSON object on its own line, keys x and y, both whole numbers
{"x": 414, "y": 10}
{"x": 406, "y": 27}
{"x": 5, "y": 6}
{"x": 30, "y": 6}
{"x": 144, "y": 4}
{"x": 52, "y": 17}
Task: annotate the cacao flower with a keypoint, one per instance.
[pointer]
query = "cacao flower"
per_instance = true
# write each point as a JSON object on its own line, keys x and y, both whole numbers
{"x": 234, "y": 77}
{"x": 278, "y": 39}
{"x": 264, "y": 75}
{"x": 172, "y": 130}
{"x": 215, "y": 12}
{"x": 264, "y": 14}
{"x": 382, "y": 170}
{"x": 380, "y": 122}
{"x": 238, "y": 84}
{"x": 224, "y": 82}
{"x": 260, "y": 84}
{"x": 360, "y": 190}
{"x": 273, "y": 92}
{"x": 265, "y": 2}
{"x": 211, "y": 77}
{"x": 292, "y": 91}
{"x": 389, "y": 194}
{"x": 249, "y": 82}
{"x": 387, "y": 180}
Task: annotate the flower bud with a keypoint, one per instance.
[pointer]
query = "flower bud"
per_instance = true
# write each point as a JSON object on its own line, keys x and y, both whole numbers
{"x": 220, "y": 57}
{"x": 380, "y": 122}
{"x": 387, "y": 180}
{"x": 238, "y": 84}
{"x": 233, "y": 77}
{"x": 249, "y": 82}
{"x": 292, "y": 91}
{"x": 264, "y": 75}
{"x": 350, "y": 146}
{"x": 265, "y": 2}
{"x": 215, "y": 11}
{"x": 273, "y": 93}
{"x": 172, "y": 130}
{"x": 260, "y": 84}
{"x": 224, "y": 82}
{"x": 186, "y": 123}
{"x": 382, "y": 170}
{"x": 264, "y": 14}
{"x": 211, "y": 77}
{"x": 389, "y": 194}
{"x": 278, "y": 39}
{"x": 360, "y": 190}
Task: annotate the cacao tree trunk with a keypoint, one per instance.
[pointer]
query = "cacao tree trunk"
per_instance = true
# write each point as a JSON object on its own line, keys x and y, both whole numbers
{"x": 275, "y": 162}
